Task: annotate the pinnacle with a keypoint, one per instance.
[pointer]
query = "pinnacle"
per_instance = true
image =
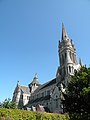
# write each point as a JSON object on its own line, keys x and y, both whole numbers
{"x": 64, "y": 33}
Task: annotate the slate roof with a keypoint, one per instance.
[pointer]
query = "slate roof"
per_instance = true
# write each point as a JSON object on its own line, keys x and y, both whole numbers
{"x": 40, "y": 99}
{"x": 43, "y": 86}
{"x": 25, "y": 89}
{"x": 35, "y": 80}
{"x": 47, "y": 84}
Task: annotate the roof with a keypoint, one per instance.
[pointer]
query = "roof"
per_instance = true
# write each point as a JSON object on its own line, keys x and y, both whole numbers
{"x": 25, "y": 89}
{"x": 40, "y": 99}
{"x": 47, "y": 84}
{"x": 35, "y": 80}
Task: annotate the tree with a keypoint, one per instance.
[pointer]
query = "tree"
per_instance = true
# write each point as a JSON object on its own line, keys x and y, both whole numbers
{"x": 9, "y": 104}
{"x": 1, "y": 105}
{"x": 77, "y": 96}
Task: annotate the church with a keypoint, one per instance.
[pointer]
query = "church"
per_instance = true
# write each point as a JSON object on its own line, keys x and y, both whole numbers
{"x": 49, "y": 95}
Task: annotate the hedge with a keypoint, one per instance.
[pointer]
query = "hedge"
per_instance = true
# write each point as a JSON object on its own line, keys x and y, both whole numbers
{"x": 15, "y": 114}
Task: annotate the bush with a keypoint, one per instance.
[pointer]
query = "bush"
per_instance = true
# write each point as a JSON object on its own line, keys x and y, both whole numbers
{"x": 14, "y": 114}
{"x": 76, "y": 116}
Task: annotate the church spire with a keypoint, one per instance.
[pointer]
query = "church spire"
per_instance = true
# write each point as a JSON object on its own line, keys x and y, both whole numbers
{"x": 64, "y": 33}
{"x": 35, "y": 79}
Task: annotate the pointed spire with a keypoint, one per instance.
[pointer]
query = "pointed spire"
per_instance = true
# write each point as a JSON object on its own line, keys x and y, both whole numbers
{"x": 64, "y": 33}
{"x": 36, "y": 76}
{"x": 35, "y": 79}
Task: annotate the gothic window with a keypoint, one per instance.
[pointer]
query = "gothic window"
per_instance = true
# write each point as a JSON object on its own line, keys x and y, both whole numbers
{"x": 48, "y": 92}
{"x": 27, "y": 97}
{"x": 69, "y": 68}
{"x": 75, "y": 71}
{"x": 21, "y": 96}
{"x": 43, "y": 94}
{"x": 30, "y": 89}
{"x": 72, "y": 69}
{"x": 56, "y": 96}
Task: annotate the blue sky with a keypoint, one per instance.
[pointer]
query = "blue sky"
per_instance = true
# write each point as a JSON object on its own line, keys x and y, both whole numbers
{"x": 29, "y": 34}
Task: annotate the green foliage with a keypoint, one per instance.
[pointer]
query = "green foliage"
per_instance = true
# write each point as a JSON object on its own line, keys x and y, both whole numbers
{"x": 1, "y": 105}
{"x": 79, "y": 116}
{"x": 77, "y": 97}
{"x": 9, "y": 104}
{"x": 15, "y": 114}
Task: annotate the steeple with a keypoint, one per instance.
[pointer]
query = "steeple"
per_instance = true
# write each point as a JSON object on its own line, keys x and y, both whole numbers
{"x": 35, "y": 79}
{"x": 64, "y": 33}
{"x": 67, "y": 55}
{"x": 34, "y": 84}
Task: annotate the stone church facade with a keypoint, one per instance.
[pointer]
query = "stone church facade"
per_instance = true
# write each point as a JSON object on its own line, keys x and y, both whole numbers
{"x": 49, "y": 94}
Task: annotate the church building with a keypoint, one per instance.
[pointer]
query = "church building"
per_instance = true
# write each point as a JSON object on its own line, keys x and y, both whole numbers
{"x": 49, "y": 94}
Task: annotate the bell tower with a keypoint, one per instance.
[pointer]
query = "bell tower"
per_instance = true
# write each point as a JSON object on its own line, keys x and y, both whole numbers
{"x": 34, "y": 84}
{"x": 67, "y": 57}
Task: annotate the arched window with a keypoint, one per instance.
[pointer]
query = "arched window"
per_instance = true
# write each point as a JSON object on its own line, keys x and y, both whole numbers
{"x": 72, "y": 70}
{"x": 69, "y": 68}
{"x": 30, "y": 89}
